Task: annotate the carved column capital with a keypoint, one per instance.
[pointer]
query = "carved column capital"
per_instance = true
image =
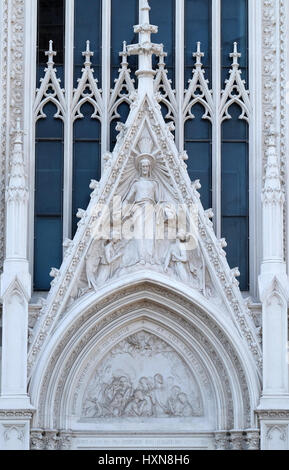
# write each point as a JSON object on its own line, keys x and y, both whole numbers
{"x": 237, "y": 439}
{"x": 253, "y": 439}
{"x": 221, "y": 440}
{"x": 36, "y": 439}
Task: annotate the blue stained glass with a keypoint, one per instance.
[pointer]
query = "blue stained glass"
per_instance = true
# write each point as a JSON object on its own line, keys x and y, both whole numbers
{"x": 200, "y": 167}
{"x": 199, "y": 147}
{"x": 123, "y": 111}
{"x": 47, "y": 250}
{"x": 87, "y": 160}
{"x": 235, "y": 128}
{"x": 236, "y": 230}
{"x": 234, "y": 16}
{"x": 87, "y": 127}
{"x": 235, "y": 191}
{"x": 49, "y": 127}
{"x": 197, "y": 28}
{"x": 48, "y": 178}
{"x": 48, "y": 197}
{"x": 123, "y": 16}
{"x": 198, "y": 128}
{"x": 51, "y": 26}
{"x": 87, "y": 27}
{"x": 164, "y": 17}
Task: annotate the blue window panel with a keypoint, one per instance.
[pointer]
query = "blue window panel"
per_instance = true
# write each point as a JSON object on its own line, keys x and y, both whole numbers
{"x": 48, "y": 197}
{"x": 124, "y": 15}
{"x": 198, "y": 28}
{"x": 235, "y": 230}
{"x": 163, "y": 15}
{"x": 234, "y": 18}
{"x": 88, "y": 21}
{"x": 198, "y": 128}
{"x": 47, "y": 250}
{"x": 200, "y": 167}
{"x": 51, "y": 14}
{"x": 123, "y": 111}
{"x": 87, "y": 160}
{"x": 235, "y": 128}
{"x": 235, "y": 178}
{"x": 49, "y": 127}
{"x": 86, "y": 127}
{"x": 198, "y": 135}
{"x": 86, "y": 168}
{"x": 48, "y": 184}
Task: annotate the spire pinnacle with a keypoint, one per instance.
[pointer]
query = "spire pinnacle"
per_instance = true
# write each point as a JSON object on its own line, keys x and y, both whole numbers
{"x": 50, "y": 54}
{"x": 87, "y": 54}
{"x": 235, "y": 55}
{"x": 145, "y": 48}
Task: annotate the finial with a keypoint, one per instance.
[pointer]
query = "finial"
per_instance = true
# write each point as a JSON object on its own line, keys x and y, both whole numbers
{"x": 162, "y": 56}
{"x": 198, "y": 54}
{"x": 87, "y": 54}
{"x": 123, "y": 54}
{"x": 146, "y": 5}
{"x": 235, "y": 55}
{"x": 50, "y": 54}
{"x": 145, "y": 48}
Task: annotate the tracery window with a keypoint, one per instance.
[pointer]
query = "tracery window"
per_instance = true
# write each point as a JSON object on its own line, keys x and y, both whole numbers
{"x": 69, "y": 147}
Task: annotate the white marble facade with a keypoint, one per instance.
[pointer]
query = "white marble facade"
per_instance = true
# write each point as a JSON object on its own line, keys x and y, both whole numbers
{"x": 145, "y": 341}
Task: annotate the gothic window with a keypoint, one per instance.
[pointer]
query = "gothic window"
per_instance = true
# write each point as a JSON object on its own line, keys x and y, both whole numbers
{"x": 235, "y": 146}
{"x": 211, "y": 116}
{"x": 48, "y": 210}
{"x": 87, "y": 129}
{"x": 48, "y": 197}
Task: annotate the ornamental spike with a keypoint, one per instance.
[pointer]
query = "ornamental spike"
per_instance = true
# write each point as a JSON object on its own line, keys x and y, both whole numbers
{"x": 124, "y": 54}
{"x": 235, "y": 55}
{"x": 50, "y": 54}
{"x": 87, "y": 54}
{"x": 198, "y": 54}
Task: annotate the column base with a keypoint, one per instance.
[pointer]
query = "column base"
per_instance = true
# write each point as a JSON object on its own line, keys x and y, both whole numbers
{"x": 274, "y": 429}
{"x": 15, "y": 429}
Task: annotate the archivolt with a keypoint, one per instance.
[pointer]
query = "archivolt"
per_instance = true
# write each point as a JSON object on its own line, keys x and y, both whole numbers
{"x": 81, "y": 331}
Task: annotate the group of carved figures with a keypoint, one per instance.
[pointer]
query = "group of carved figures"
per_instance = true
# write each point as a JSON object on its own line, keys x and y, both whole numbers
{"x": 144, "y": 212}
{"x": 151, "y": 398}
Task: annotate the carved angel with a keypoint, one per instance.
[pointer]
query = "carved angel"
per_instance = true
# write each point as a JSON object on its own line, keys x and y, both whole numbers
{"x": 181, "y": 259}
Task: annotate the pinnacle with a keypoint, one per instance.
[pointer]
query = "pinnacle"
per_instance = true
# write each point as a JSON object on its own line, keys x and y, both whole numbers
{"x": 235, "y": 55}
{"x": 87, "y": 54}
{"x": 198, "y": 54}
{"x": 50, "y": 54}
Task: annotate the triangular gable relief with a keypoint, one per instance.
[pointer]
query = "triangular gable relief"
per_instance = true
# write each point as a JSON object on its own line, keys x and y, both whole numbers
{"x": 146, "y": 171}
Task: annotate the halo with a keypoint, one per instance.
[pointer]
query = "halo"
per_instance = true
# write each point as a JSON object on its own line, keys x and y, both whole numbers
{"x": 144, "y": 156}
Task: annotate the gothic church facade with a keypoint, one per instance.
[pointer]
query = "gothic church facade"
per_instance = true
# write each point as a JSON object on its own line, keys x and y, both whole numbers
{"x": 144, "y": 224}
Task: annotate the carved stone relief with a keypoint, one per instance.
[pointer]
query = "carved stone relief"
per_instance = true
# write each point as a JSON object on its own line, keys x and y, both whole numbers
{"x": 142, "y": 377}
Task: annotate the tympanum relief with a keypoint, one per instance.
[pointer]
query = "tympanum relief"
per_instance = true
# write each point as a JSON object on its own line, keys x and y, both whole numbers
{"x": 142, "y": 377}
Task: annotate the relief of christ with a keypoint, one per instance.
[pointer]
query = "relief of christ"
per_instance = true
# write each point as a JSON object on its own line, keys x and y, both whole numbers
{"x": 139, "y": 217}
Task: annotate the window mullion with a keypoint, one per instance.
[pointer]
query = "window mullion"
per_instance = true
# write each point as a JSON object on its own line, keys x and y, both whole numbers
{"x": 255, "y": 142}
{"x": 180, "y": 71}
{"x": 68, "y": 121}
{"x": 216, "y": 125}
{"x": 106, "y": 62}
